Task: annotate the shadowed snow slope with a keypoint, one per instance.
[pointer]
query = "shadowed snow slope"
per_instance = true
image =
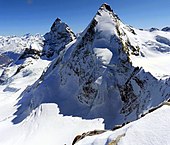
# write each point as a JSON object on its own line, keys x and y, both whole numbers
{"x": 112, "y": 73}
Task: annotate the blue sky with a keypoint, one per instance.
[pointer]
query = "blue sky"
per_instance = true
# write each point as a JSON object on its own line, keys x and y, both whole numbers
{"x": 18, "y": 17}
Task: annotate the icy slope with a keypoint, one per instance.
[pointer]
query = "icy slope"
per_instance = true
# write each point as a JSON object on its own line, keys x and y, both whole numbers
{"x": 153, "y": 129}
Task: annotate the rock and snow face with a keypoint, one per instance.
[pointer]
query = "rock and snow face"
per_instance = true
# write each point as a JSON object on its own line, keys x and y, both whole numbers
{"x": 95, "y": 76}
{"x": 60, "y": 33}
{"x": 59, "y": 36}
{"x": 111, "y": 71}
{"x": 166, "y": 29}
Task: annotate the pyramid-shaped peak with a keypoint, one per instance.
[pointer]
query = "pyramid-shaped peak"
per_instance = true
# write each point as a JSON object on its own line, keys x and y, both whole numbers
{"x": 57, "y": 23}
{"x": 58, "y": 20}
{"x": 60, "y": 34}
{"x": 106, "y": 6}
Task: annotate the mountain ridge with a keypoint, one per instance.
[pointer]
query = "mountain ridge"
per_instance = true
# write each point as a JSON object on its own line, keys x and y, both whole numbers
{"x": 100, "y": 67}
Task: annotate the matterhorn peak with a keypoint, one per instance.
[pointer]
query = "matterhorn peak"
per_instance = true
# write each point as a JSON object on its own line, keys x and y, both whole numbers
{"x": 57, "y": 23}
{"x": 59, "y": 36}
{"x": 60, "y": 29}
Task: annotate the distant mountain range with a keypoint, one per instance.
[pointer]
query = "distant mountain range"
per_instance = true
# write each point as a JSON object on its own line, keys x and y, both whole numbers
{"x": 59, "y": 85}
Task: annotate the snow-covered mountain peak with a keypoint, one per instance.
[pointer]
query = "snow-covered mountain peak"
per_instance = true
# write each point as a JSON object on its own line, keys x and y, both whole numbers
{"x": 110, "y": 26}
{"x": 94, "y": 72}
{"x": 106, "y": 11}
{"x": 103, "y": 27}
{"x": 97, "y": 72}
{"x": 104, "y": 20}
{"x": 106, "y": 7}
{"x": 62, "y": 84}
{"x": 60, "y": 27}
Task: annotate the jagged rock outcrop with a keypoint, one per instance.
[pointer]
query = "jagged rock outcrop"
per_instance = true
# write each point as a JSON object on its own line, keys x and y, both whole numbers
{"x": 90, "y": 133}
{"x": 153, "y": 29}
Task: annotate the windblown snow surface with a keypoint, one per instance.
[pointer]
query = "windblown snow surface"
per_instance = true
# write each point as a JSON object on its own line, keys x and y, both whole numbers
{"x": 56, "y": 86}
{"x": 152, "y": 129}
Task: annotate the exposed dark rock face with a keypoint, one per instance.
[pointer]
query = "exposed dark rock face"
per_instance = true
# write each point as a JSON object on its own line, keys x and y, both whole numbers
{"x": 29, "y": 52}
{"x": 163, "y": 40}
{"x": 106, "y": 6}
{"x": 90, "y": 133}
{"x": 167, "y": 29}
{"x": 153, "y": 29}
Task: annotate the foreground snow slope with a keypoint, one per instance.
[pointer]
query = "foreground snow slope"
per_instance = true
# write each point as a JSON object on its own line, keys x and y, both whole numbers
{"x": 55, "y": 87}
{"x": 45, "y": 126}
{"x": 152, "y": 129}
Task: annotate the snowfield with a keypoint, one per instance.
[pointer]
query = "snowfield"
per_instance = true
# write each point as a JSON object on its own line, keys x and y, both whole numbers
{"x": 155, "y": 47}
{"x": 46, "y": 126}
{"x": 152, "y": 129}
{"x": 55, "y": 87}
